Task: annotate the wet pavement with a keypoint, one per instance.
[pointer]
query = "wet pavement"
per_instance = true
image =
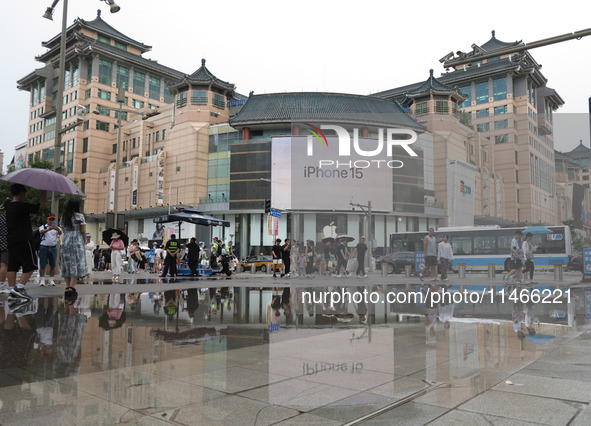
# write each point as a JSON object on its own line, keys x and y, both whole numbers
{"x": 258, "y": 350}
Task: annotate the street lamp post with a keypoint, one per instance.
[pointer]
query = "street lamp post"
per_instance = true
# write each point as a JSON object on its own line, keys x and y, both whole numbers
{"x": 369, "y": 233}
{"x": 59, "y": 102}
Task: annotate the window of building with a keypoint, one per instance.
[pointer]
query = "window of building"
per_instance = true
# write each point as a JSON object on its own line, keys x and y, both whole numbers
{"x": 35, "y": 96}
{"x": 501, "y": 110}
{"x": 500, "y": 88}
{"x": 219, "y": 101}
{"x": 32, "y": 142}
{"x": 501, "y": 138}
{"x": 123, "y": 115}
{"x": 482, "y": 113}
{"x": 75, "y": 75}
{"x": 104, "y": 94}
{"x": 66, "y": 79}
{"x": 152, "y": 106}
{"x": 483, "y": 127}
{"x": 84, "y": 162}
{"x": 137, "y": 104}
{"x": 168, "y": 97}
{"x": 122, "y": 77}
{"x": 105, "y": 72}
{"x": 86, "y": 125}
{"x": 154, "y": 88}
{"x": 84, "y": 145}
{"x": 70, "y": 168}
{"x": 181, "y": 99}
{"x": 38, "y": 138}
{"x": 87, "y": 94}
{"x": 74, "y": 95}
{"x": 158, "y": 136}
{"x": 120, "y": 45}
{"x": 466, "y": 91}
{"x": 103, "y": 111}
{"x": 441, "y": 107}
{"x": 482, "y": 92}
{"x": 101, "y": 125}
{"x": 501, "y": 124}
{"x": 163, "y": 134}
{"x": 104, "y": 39}
{"x": 421, "y": 108}
{"x": 139, "y": 83}
{"x": 199, "y": 97}
{"x": 133, "y": 143}
{"x": 114, "y": 149}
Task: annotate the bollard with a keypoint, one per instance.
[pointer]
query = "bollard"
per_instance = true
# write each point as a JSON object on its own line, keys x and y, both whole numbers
{"x": 407, "y": 271}
{"x": 462, "y": 270}
{"x": 323, "y": 268}
{"x": 269, "y": 268}
{"x": 253, "y": 269}
{"x": 491, "y": 270}
{"x": 557, "y": 272}
{"x": 384, "y": 269}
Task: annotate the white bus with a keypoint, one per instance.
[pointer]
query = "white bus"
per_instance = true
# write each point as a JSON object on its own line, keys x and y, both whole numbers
{"x": 479, "y": 246}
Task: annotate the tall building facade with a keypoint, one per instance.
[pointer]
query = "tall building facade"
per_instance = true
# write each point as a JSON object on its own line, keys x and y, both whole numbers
{"x": 508, "y": 102}
{"x": 99, "y": 61}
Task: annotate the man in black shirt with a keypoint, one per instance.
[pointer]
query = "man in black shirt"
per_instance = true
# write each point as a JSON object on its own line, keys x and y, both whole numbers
{"x": 359, "y": 251}
{"x": 193, "y": 256}
{"x": 20, "y": 236}
{"x": 286, "y": 257}
{"x": 277, "y": 252}
{"x": 172, "y": 249}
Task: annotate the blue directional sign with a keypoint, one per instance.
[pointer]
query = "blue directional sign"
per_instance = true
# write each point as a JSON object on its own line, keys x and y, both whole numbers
{"x": 275, "y": 213}
{"x": 587, "y": 260}
{"x": 588, "y": 304}
{"x": 419, "y": 260}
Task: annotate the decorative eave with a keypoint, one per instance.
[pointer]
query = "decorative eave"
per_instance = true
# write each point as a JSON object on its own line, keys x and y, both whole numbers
{"x": 202, "y": 77}
{"x": 39, "y": 74}
{"x": 433, "y": 87}
{"x": 91, "y": 46}
{"x": 101, "y": 27}
{"x": 281, "y": 110}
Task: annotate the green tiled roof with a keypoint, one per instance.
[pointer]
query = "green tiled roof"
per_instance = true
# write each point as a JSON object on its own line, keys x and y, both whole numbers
{"x": 287, "y": 108}
{"x": 496, "y": 44}
{"x": 202, "y": 76}
{"x": 102, "y": 28}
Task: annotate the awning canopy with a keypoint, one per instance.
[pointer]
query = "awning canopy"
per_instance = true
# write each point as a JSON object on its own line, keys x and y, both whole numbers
{"x": 185, "y": 214}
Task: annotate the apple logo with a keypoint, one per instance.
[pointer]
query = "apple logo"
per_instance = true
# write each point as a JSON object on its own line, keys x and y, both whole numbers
{"x": 330, "y": 231}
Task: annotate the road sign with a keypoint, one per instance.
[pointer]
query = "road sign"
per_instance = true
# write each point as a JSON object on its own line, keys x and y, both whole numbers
{"x": 586, "y": 260}
{"x": 275, "y": 213}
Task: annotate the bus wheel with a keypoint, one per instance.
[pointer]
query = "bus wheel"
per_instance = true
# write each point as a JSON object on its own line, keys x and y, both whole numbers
{"x": 507, "y": 264}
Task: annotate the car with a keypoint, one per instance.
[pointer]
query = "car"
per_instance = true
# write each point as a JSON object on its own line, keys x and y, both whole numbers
{"x": 396, "y": 262}
{"x": 260, "y": 261}
{"x": 575, "y": 262}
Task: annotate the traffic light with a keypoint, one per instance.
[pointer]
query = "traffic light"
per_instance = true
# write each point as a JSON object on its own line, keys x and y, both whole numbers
{"x": 267, "y": 206}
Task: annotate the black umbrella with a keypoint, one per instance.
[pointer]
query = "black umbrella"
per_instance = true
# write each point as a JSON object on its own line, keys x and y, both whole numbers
{"x": 108, "y": 236}
{"x": 193, "y": 216}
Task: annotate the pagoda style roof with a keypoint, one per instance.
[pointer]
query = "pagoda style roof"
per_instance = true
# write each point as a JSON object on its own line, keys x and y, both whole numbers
{"x": 287, "y": 108}
{"x": 496, "y": 44}
{"x": 432, "y": 86}
{"x": 518, "y": 64}
{"x": 202, "y": 76}
{"x": 580, "y": 151}
{"x": 102, "y": 28}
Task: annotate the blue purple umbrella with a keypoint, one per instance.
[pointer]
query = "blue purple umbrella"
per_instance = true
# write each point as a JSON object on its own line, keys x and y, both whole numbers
{"x": 43, "y": 179}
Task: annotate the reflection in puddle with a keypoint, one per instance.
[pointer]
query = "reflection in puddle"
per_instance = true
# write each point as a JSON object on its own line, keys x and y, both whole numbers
{"x": 277, "y": 345}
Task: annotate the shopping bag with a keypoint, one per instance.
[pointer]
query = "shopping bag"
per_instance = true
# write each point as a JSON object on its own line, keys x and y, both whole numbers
{"x": 352, "y": 265}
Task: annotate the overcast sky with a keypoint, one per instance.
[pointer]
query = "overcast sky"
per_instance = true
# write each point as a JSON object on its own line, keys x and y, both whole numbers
{"x": 337, "y": 46}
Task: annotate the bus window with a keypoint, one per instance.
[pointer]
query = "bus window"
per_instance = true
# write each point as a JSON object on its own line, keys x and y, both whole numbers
{"x": 461, "y": 245}
{"x": 485, "y": 244}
